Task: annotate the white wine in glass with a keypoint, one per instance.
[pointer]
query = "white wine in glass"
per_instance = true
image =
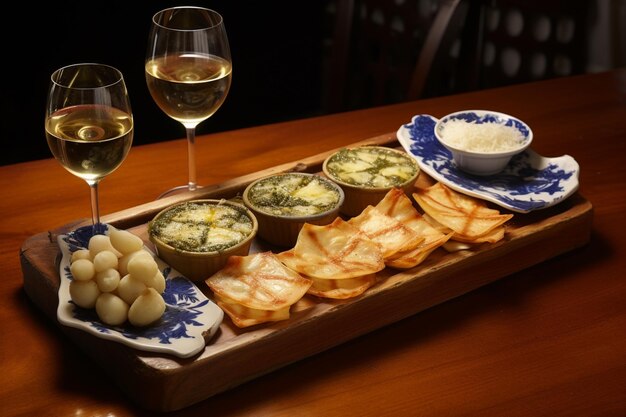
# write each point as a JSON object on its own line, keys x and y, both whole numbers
{"x": 188, "y": 70}
{"x": 89, "y": 123}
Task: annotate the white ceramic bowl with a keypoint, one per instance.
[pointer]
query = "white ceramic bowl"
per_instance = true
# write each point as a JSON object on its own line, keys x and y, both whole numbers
{"x": 482, "y": 161}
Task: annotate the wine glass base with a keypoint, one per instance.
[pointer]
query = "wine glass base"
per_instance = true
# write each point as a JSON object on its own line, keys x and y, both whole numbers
{"x": 176, "y": 190}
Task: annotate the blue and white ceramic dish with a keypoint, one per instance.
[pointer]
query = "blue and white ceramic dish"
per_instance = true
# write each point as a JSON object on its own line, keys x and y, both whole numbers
{"x": 529, "y": 182}
{"x": 189, "y": 320}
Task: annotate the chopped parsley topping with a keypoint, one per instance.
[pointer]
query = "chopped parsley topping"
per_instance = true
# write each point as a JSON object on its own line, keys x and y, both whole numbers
{"x": 371, "y": 166}
{"x": 293, "y": 195}
{"x": 202, "y": 227}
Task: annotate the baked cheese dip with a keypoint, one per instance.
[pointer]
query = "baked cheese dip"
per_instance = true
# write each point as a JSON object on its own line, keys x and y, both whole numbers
{"x": 202, "y": 227}
{"x": 371, "y": 166}
{"x": 293, "y": 194}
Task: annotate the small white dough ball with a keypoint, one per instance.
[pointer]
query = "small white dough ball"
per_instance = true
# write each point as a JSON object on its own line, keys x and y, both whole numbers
{"x": 130, "y": 288}
{"x": 105, "y": 260}
{"x": 157, "y": 282}
{"x": 80, "y": 254}
{"x": 125, "y": 259}
{"x": 108, "y": 280}
{"x": 124, "y": 241}
{"x": 82, "y": 270}
{"x": 98, "y": 243}
{"x": 147, "y": 308}
{"x": 84, "y": 293}
{"x": 143, "y": 268}
{"x": 111, "y": 309}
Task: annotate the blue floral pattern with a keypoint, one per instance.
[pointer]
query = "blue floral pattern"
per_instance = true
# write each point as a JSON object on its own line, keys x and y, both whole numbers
{"x": 529, "y": 182}
{"x": 189, "y": 315}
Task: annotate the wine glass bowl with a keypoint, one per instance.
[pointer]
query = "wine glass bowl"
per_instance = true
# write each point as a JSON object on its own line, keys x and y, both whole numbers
{"x": 89, "y": 123}
{"x": 188, "y": 69}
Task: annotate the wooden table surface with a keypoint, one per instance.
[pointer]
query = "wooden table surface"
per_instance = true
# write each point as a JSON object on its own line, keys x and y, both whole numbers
{"x": 547, "y": 341}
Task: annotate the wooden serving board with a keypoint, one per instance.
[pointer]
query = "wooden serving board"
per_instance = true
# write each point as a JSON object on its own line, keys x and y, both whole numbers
{"x": 233, "y": 356}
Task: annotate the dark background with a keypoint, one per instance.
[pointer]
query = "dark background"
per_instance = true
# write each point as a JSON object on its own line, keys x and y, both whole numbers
{"x": 281, "y": 52}
{"x": 276, "y": 47}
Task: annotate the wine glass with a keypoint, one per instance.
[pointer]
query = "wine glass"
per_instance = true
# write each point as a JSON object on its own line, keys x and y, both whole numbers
{"x": 188, "y": 70}
{"x": 89, "y": 124}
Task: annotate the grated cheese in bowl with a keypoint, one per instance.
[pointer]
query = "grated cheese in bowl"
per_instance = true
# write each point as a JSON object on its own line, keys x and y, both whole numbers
{"x": 481, "y": 137}
{"x": 482, "y": 142}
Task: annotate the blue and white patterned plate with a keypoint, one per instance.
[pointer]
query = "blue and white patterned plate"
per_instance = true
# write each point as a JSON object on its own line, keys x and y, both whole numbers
{"x": 529, "y": 182}
{"x": 190, "y": 317}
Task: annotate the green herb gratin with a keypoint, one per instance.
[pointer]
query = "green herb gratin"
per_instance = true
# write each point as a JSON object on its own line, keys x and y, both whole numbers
{"x": 371, "y": 166}
{"x": 202, "y": 227}
{"x": 293, "y": 195}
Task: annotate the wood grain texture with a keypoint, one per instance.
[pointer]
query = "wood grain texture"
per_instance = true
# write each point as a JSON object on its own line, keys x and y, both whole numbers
{"x": 232, "y": 357}
{"x": 544, "y": 341}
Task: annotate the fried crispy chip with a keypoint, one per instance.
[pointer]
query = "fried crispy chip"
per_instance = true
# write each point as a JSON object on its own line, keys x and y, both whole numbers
{"x": 328, "y": 287}
{"x": 244, "y": 316}
{"x": 491, "y": 237}
{"x": 341, "y": 288}
{"x": 392, "y": 235}
{"x": 337, "y": 250}
{"x": 397, "y": 205}
{"x": 409, "y": 259}
{"x": 468, "y": 217}
{"x": 257, "y": 288}
{"x": 435, "y": 224}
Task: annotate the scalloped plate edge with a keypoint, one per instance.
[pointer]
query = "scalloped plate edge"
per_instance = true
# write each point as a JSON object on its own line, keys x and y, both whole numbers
{"x": 190, "y": 346}
{"x": 405, "y": 139}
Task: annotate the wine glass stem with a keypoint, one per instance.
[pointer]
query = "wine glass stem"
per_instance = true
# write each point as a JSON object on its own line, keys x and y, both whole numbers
{"x": 191, "y": 157}
{"x": 95, "y": 210}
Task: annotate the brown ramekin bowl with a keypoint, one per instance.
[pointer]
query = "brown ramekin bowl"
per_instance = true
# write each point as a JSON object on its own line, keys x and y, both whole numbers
{"x": 359, "y": 196}
{"x": 198, "y": 265}
{"x": 280, "y": 227}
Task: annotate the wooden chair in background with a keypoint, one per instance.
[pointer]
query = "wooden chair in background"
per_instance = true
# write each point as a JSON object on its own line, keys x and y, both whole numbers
{"x": 390, "y": 51}
{"x": 382, "y": 51}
